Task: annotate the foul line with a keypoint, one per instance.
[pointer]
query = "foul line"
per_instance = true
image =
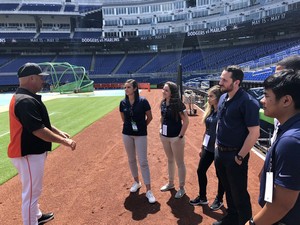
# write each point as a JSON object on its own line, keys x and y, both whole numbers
{"x": 1, "y": 135}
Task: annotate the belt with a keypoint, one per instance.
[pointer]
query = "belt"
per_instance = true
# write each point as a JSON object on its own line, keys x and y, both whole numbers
{"x": 227, "y": 149}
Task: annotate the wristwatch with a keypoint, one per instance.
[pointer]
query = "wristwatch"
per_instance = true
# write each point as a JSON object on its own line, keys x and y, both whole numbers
{"x": 240, "y": 158}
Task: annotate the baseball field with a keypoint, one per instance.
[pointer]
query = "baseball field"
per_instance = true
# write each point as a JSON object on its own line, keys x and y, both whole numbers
{"x": 91, "y": 184}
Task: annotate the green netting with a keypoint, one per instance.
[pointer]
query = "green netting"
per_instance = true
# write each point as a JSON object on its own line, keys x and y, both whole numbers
{"x": 67, "y": 78}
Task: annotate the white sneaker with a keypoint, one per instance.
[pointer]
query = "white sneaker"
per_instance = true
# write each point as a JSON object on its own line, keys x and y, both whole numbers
{"x": 150, "y": 197}
{"x": 180, "y": 193}
{"x": 167, "y": 187}
{"x": 136, "y": 186}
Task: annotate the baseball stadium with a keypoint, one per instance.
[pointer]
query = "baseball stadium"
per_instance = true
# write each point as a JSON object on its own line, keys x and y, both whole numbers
{"x": 90, "y": 48}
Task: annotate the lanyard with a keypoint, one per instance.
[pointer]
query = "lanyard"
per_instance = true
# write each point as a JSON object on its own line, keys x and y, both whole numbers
{"x": 130, "y": 109}
{"x": 272, "y": 154}
{"x": 164, "y": 111}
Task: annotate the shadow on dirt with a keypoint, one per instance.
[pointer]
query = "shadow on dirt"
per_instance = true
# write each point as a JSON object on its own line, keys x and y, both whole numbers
{"x": 139, "y": 206}
{"x": 182, "y": 210}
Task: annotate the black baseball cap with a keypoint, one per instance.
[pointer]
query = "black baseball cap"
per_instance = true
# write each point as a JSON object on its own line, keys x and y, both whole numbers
{"x": 30, "y": 69}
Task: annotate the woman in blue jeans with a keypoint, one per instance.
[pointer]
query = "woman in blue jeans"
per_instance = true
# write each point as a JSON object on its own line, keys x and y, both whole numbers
{"x": 207, "y": 151}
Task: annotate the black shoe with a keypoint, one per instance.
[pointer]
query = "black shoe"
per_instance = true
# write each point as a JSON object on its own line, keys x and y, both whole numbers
{"x": 221, "y": 222}
{"x": 199, "y": 201}
{"x": 227, "y": 220}
{"x": 46, "y": 218}
{"x": 216, "y": 205}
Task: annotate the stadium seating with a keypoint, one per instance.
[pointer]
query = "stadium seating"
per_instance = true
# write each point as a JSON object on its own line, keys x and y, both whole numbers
{"x": 87, "y": 34}
{"x": 5, "y": 59}
{"x": 105, "y": 64}
{"x": 59, "y": 35}
{"x": 8, "y": 6}
{"x": 9, "y": 79}
{"x": 40, "y": 7}
{"x": 13, "y": 65}
{"x": 69, "y": 8}
{"x": 17, "y": 35}
{"x": 87, "y": 8}
{"x": 134, "y": 62}
{"x": 77, "y": 60}
{"x": 260, "y": 57}
{"x": 160, "y": 61}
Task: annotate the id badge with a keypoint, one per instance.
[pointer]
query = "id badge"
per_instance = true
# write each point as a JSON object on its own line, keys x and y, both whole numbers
{"x": 269, "y": 187}
{"x": 134, "y": 126}
{"x": 164, "y": 129}
{"x": 206, "y": 140}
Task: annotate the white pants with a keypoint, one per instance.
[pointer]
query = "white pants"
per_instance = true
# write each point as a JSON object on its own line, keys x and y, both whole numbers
{"x": 31, "y": 172}
{"x": 137, "y": 145}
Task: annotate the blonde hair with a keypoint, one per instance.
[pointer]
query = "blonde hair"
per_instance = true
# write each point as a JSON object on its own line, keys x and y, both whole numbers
{"x": 209, "y": 108}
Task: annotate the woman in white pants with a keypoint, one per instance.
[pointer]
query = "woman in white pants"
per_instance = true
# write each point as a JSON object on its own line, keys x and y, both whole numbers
{"x": 136, "y": 115}
{"x": 174, "y": 123}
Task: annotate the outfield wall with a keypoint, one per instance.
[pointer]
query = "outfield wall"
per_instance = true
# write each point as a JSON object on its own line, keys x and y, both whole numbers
{"x": 119, "y": 86}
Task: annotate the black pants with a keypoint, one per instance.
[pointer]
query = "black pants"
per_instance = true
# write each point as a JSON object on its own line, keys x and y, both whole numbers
{"x": 204, "y": 163}
{"x": 234, "y": 179}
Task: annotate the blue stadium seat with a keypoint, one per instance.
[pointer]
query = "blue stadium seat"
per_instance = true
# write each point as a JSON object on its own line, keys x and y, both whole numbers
{"x": 8, "y": 6}
{"x": 105, "y": 64}
{"x": 40, "y": 7}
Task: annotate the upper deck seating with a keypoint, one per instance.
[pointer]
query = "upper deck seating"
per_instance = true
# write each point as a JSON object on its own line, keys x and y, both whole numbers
{"x": 8, "y": 6}
{"x": 87, "y": 34}
{"x": 17, "y": 35}
{"x": 54, "y": 35}
{"x": 69, "y": 8}
{"x": 40, "y": 7}
{"x": 87, "y": 8}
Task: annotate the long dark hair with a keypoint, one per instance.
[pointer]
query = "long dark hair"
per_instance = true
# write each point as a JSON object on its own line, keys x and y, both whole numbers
{"x": 175, "y": 100}
{"x": 134, "y": 85}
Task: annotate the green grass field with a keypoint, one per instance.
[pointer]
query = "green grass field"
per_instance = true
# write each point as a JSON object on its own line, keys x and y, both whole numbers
{"x": 71, "y": 115}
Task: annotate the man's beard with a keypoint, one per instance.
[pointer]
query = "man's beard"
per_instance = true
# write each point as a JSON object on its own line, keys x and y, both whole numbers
{"x": 229, "y": 89}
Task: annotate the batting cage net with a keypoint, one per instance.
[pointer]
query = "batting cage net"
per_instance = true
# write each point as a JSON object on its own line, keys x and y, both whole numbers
{"x": 67, "y": 78}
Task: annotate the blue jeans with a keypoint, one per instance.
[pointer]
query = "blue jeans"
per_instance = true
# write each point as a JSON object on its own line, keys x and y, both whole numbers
{"x": 234, "y": 179}
{"x": 205, "y": 161}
